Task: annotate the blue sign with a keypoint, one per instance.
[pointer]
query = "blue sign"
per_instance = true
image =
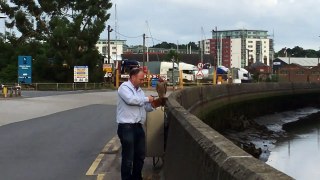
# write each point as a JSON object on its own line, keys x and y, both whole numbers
{"x": 25, "y": 69}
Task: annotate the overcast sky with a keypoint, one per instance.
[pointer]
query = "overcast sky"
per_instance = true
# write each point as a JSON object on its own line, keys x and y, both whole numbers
{"x": 293, "y": 22}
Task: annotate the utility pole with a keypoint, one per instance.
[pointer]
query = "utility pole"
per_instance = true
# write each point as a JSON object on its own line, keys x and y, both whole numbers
{"x": 177, "y": 47}
{"x": 5, "y": 28}
{"x": 144, "y": 50}
{"x": 109, "y": 31}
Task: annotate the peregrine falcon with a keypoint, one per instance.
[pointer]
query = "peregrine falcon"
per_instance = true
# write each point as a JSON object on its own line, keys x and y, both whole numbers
{"x": 161, "y": 88}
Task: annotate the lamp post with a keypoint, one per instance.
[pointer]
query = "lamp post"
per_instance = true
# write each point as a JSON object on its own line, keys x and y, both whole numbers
{"x": 4, "y": 22}
{"x": 248, "y": 50}
{"x": 216, "y": 56}
{"x": 109, "y": 31}
{"x": 290, "y": 67}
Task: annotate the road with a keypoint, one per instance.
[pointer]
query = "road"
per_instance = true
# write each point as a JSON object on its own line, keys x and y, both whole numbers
{"x": 56, "y": 136}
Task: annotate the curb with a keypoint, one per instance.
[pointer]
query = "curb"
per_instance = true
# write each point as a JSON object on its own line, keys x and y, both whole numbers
{"x": 107, "y": 155}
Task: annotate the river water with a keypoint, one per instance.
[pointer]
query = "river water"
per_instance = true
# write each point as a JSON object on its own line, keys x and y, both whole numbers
{"x": 298, "y": 154}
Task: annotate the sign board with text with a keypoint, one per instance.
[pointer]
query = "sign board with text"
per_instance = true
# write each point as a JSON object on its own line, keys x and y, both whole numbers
{"x": 107, "y": 68}
{"x": 25, "y": 69}
{"x": 81, "y": 74}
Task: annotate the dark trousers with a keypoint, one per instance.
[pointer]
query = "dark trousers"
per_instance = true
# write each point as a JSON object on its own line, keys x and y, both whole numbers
{"x": 132, "y": 138}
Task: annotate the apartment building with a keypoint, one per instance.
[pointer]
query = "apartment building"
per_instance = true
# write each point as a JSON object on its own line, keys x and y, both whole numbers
{"x": 241, "y": 48}
{"x": 116, "y": 48}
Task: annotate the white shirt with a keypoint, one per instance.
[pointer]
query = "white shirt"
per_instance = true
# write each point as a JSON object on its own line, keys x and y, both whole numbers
{"x": 132, "y": 104}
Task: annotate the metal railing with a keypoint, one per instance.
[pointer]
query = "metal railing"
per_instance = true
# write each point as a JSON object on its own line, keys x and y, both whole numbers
{"x": 64, "y": 86}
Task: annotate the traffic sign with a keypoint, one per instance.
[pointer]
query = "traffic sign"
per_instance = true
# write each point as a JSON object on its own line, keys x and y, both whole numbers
{"x": 200, "y": 66}
{"x": 25, "y": 69}
{"x": 200, "y": 74}
{"x": 107, "y": 68}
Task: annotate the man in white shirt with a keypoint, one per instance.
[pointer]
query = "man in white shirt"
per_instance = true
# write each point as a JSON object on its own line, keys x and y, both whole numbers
{"x": 131, "y": 114}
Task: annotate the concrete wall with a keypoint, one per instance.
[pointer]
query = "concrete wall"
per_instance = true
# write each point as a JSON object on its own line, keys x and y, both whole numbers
{"x": 196, "y": 151}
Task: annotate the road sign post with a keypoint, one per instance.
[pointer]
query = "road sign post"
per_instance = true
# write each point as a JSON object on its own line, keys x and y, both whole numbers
{"x": 200, "y": 74}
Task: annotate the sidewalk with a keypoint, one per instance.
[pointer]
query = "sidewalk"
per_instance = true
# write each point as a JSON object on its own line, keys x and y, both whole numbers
{"x": 107, "y": 164}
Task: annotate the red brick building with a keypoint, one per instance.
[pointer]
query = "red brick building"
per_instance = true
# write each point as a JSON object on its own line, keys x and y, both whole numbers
{"x": 293, "y": 73}
{"x": 225, "y": 55}
{"x": 314, "y": 75}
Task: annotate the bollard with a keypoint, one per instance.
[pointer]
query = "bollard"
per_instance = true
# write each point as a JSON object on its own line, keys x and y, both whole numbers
{"x": 11, "y": 91}
{"x": 17, "y": 89}
{"x": 5, "y": 91}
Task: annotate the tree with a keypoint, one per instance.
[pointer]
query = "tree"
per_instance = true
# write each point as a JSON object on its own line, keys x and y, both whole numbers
{"x": 167, "y": 45}
{"x": 298, "y": 52}
{"x": 70, "y": 28}
{"x": 172, "y": 55}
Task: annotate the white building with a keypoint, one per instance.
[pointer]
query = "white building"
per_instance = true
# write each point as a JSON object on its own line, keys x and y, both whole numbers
{"x": 116, "y": 48}
{"x": 205, "y": 46}
{"x": 241, "y": 48}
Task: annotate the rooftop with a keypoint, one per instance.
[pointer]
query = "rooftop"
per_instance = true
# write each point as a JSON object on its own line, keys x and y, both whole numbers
{"x": 303, "y": 61}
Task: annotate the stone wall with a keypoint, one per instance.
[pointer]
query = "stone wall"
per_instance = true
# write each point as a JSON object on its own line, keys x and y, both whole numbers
{"x": 196, "y": 151}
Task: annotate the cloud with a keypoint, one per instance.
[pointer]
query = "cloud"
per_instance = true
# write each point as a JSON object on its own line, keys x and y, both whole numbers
{"x": 294, "y": 22}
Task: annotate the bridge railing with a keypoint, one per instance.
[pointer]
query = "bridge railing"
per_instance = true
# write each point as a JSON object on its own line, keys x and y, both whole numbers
{"x": 196, "y": 151}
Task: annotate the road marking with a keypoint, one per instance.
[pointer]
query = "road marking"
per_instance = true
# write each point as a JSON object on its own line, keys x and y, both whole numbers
{"x": 100, "y": 176}
{"x": 111, "y": 147}
{"x": 109, "y": 144}
{"x": 94, "y": 165}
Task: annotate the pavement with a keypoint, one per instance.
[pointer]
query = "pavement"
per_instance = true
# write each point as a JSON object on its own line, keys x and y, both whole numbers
{"x": 107, "y": 164}
{"x": 34, "y": 104}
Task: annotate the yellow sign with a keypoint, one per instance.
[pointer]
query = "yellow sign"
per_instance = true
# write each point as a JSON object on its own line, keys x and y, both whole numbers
{"x": 107, "y": 68}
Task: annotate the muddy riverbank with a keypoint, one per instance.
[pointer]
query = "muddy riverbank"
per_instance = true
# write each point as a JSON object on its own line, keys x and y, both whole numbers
{"x": 258, "y": 136}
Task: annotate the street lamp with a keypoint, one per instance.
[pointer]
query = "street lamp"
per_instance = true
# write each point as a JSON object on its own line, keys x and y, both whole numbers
{"x": 215, "y": 63}
{"x": 289, "y": 71}
{"x": 5, "y": 37}
{"x": 109, "y": 31}
{"x": 216, "y": 44}
{"x": 249, "y": 63}
{"x": 290, "y": 57}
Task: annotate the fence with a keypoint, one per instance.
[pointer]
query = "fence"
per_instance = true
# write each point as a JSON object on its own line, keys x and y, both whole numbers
{"x": 64, "y": 86}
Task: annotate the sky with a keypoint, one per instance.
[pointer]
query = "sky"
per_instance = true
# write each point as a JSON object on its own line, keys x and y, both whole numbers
{"x": 290, "y": 22}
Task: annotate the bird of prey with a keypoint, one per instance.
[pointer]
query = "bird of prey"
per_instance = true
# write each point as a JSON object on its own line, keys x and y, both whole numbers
{"x": 161, "y": 88}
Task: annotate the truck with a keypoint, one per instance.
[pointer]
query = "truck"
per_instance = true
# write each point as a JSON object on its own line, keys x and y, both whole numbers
{"x": 164, "y": 70}
{"x": 206, "y": 74}
{"x": 124, "y": 67}
{"x": 240, "y": 75}
{"x": 187, "y": 71}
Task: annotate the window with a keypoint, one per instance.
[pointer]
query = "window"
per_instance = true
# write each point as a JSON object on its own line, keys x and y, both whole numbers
{"x": 250, "y": 46}
{"x": 300, "y": 72}
{"x": 283, "y": 72}
{"x": 250, "y": 41}
{"x": 315, "y": 72}
{"x": 104, "y": 50}
{"x": 114, "y": 47}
